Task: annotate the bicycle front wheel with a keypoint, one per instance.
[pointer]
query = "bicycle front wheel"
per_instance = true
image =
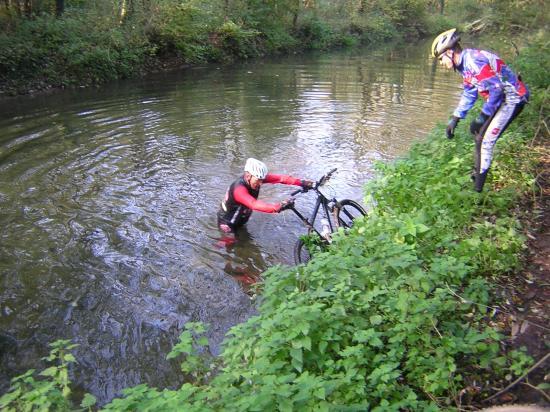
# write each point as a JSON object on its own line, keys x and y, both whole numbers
{"x": 349, "y": 211}
{"x": 301, "y": 253}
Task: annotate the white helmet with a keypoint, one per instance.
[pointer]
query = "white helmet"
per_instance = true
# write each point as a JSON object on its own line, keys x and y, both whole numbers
{"x": 256, "y": 168}
{"x": 445, "y": 41}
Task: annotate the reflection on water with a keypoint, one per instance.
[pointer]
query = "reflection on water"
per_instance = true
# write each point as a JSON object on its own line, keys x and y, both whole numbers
{"x": 109, "y": 197}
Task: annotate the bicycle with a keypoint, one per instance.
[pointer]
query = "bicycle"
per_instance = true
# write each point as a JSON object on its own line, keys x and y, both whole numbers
{"x": 336, "y": 214}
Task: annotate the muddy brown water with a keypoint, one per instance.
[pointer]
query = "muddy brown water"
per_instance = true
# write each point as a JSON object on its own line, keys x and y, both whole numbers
{"x": 108, "y": 196}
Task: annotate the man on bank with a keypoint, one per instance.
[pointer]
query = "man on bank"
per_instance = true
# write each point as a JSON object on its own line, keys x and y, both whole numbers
{"x": 241, "y": 197}
{"x": 486, "y": 74}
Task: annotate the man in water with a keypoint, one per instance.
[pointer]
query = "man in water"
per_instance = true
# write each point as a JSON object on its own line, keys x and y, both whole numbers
{"x": 241, "y": 197}
{"x": 504, "y": 93}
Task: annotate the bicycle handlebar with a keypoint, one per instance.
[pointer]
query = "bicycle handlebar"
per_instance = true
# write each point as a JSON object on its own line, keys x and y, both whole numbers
{"x": 318, "y": 184}
{"x": 326, "y": 177}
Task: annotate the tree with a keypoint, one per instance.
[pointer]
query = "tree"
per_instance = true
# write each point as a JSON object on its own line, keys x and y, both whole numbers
{"x": 59, "y": 7}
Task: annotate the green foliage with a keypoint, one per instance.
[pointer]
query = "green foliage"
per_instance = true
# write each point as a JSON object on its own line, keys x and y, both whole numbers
{"x": 197, "y": 362}
{"x": 517, "y": 15}
{"x": 520, "y": 361}
{"x": 316, "y": 33}
{"x": 534, "y": 62}
{"x": 74, "y": 50}
{"x": 184, "y": 27}
{"x": 278, "y": 40}
{"x": 407, "y": 16}
{"x": 93, "y": 42}
{"x": 52, "y": 391}
{"x": 466, "y": 10}
{"x": 313, "y": 243}
{"x": 236, "y": 41}
{"x": 436, "y": 23}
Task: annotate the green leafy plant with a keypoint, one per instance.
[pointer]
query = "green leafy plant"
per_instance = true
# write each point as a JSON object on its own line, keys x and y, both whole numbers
{"x": 313, "y": 243}
{"x": 51, "y": 391}
{"x": 197, "y": 363}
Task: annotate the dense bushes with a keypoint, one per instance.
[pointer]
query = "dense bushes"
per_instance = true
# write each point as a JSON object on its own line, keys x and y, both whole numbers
{"x": 73, "y": 51}
{"x": 94, "y": 42}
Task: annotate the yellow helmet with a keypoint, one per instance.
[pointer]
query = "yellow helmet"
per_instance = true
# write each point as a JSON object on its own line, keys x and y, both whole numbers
{"x": 445, "y": 41}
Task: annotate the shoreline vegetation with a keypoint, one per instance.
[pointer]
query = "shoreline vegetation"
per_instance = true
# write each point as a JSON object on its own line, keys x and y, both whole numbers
{"x": 410, "y": 310}
{"x": 46, "y": 47}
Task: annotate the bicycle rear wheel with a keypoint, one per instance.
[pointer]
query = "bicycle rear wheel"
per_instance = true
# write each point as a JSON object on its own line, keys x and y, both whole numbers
{"x": 348, "y": 212}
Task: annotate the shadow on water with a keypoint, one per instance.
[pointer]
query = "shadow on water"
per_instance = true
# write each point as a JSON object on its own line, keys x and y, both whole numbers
{"x": 108, "y": 197}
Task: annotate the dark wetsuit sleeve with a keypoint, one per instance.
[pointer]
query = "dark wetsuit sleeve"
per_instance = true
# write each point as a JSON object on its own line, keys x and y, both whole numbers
{"x": 284, "y": 179}
{"x": 242, "y": 196}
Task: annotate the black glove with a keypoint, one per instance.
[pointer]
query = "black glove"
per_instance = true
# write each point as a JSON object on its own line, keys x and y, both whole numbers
{"x": 286, "y": 204}
{"x": 307, "y": 184}
{"x": 478, "y": 123}
{"x": 450, "y": 130}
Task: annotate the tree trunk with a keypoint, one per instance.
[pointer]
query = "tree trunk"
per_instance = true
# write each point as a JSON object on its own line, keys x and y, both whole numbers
{"x": 123, "y": 10}
{"x": 59, "y": 7}
{"x": 28, "y": 8}
{"x": 441, "y": 6}
{"x": 295, "y": 14}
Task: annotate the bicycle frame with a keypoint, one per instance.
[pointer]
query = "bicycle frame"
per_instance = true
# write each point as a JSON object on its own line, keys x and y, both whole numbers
{"x": 321, "y": 202}
{"x": 309, "y": 223}
{"x": 343, "y": 214}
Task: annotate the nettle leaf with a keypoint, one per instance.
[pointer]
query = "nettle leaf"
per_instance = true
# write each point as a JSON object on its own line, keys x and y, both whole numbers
{"x": 304, "y": 342}
{"x": 375, "y": 319}
{"x": 88, "y": 401}
{"x": 66, "y": 391}
{"x": 51, "y": 371}
{"x": 303, "y": 327}
{"x": 185, "y": 346}
{"x": 8, "y": 398}
{"x": 297, "y": 359}
{"x": 69, "y": 357}
{"x": 364, "y": 336}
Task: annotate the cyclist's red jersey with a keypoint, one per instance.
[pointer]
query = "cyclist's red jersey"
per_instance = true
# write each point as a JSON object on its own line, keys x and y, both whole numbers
{"x": 240, "y": 200}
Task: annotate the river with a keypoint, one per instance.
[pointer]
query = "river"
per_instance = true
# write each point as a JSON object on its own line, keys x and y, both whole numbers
{"x": 109, "y": 195}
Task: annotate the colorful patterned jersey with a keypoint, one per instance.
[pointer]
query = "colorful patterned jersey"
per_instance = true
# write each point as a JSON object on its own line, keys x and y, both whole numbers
{"x": 485, "y": 73}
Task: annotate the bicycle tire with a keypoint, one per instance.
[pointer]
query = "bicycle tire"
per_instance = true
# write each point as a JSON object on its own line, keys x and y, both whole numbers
{"x": 349, "y": 211}
{"x": 301, "y": 254}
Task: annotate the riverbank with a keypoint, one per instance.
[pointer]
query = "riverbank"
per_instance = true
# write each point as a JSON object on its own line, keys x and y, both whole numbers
{"x": 528, "y": 293}
{"x": 93, "y": 43}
